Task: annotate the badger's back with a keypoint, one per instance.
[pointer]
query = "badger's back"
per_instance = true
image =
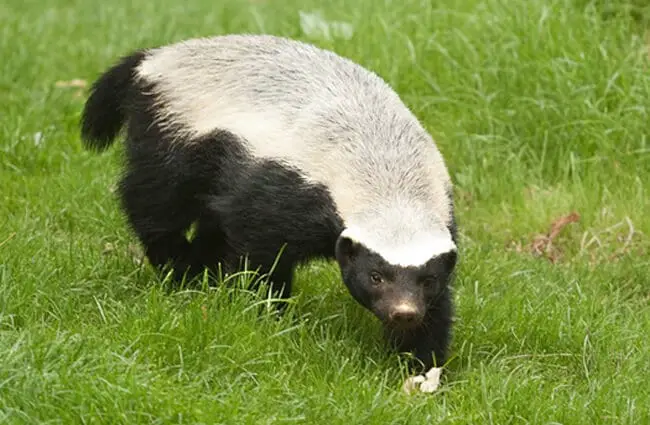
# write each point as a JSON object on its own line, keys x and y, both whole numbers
{"x": 264, "y": 87}
{"x": 313, "y": 110}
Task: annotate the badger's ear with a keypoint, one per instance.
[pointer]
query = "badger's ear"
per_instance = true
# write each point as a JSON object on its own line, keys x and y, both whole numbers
{"x": 346, "y": 250}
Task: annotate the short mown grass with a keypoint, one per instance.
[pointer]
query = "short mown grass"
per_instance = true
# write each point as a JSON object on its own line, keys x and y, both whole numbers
{"x": 541, "y": 108}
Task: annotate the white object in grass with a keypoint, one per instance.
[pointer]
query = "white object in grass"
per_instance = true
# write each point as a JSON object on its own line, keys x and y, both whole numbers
{"x": 426, "y": 383}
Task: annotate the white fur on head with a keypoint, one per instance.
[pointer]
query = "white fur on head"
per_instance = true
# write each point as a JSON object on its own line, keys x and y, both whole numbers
{"x": 415, "y": 252}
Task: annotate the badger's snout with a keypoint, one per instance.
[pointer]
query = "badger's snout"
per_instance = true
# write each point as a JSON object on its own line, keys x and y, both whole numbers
{"x": 405, "y": 314}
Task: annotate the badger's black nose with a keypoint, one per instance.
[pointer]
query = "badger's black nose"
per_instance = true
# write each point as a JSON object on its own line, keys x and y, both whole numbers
{"x": 405, "y": 315}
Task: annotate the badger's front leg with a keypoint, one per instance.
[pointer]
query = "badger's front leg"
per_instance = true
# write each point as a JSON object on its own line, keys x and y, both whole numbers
{"x": 428, "y": 343}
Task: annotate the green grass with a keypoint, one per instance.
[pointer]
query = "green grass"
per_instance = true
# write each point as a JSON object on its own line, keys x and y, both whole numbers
{"x": 540, "y": 108}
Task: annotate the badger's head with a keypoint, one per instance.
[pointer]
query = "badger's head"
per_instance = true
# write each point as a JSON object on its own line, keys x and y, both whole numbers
{"x": 396, "y": 282}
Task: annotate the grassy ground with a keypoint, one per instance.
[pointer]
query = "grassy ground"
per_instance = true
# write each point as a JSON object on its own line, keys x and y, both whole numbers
{"x": 541, "y": 109}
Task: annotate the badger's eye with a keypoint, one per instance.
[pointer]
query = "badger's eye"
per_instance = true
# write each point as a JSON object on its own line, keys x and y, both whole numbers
{"x": 376, "y": 278}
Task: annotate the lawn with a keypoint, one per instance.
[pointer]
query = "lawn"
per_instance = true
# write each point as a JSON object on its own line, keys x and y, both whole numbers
{"x": 541, "y": 111}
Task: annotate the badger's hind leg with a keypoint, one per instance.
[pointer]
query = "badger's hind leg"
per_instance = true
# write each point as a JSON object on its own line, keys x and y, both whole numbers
{"x": 209, "y": 246}
{"x": 160, "y": 209}
{"x": 158, "y": 189}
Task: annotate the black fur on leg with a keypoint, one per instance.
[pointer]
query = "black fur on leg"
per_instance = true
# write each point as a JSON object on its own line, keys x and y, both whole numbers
{"x": 156, "y": 191}
{"x": 159, "y": 213}
{"x": 209, "y": 246}
{"x": 166, "y": 183}
{"x": 275, "y": 218}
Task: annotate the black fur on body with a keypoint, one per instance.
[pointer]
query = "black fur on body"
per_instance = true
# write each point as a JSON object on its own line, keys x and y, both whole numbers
{"x": 255, "y": 208}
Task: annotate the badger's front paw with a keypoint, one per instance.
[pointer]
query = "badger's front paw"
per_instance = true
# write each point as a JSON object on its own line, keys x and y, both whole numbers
{"x": 427, "y": 383}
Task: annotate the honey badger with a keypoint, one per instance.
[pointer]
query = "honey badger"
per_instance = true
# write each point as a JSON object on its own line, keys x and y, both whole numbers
{"x": 273, "y": 145}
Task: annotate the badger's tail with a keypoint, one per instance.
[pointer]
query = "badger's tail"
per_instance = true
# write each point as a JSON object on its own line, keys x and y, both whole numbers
{"x": 104, "y": 113}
